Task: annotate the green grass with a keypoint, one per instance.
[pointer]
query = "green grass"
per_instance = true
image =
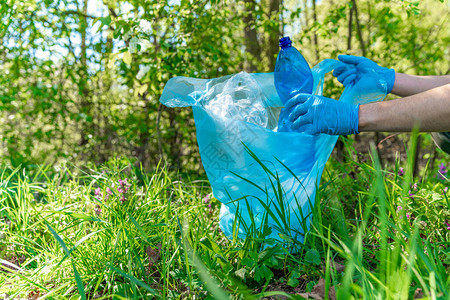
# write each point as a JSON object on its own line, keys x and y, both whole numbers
{"x": 63, "y": 235}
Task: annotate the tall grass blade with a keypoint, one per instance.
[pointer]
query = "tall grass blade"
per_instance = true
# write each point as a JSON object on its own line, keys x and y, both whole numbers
{"x": 80, "y": 286}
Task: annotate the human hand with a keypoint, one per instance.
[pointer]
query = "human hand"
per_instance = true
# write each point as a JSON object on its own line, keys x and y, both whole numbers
{"x": 355, "y": 67}
{"x": 313, "y": 114}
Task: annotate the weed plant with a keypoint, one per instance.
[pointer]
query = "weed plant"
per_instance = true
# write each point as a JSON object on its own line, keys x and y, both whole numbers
{"x": 119, "y": 232}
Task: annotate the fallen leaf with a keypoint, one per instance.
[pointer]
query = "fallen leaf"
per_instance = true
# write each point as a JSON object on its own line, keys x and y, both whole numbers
{"x": 418, "y": 294}
{"x": 339, "y": 268}
{"x": 319, "y": 289}
{"x": 153, "y": 254}
{"x": 311, "y": 296}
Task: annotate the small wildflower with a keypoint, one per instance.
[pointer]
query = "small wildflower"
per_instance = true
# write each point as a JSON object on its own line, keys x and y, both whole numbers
{"x": 145, "y": 27}
{"x": 442, "y": 169}
{"x": 206, "y": 199}
{"x": 123, "y": 189}
{"x": 414, "y": 187}
{"x": 127, "y": 18}
{"x": 108, "y": 191}
{"x": 445, "y": 189}
{"x": 209, "y": 205}
{"x": 399, "y": 209}
{"x": 411, "y": 194}
{"x": 123, "y": 186}
{"x": 447, "y": 225}
{"x": 401, "y": 171}
{"x": 98, "y": 194}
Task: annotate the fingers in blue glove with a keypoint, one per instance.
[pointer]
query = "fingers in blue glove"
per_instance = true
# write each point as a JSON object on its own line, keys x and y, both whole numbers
{"x": 296, "y": 100}
{"x": 300, "y": 123}
{"x": 350, "y": 79}
{"x": 350, "y": 59}
{"x": 298, "y": 111}
{"x": 339, "y": 70}
{"x": 351, "y": 71}
{"x": 324, "y": 115}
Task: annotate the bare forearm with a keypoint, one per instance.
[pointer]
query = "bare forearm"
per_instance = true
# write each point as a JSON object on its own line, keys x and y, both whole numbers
{"x": 430, "y": 110}
{"x": 407, "y": 85}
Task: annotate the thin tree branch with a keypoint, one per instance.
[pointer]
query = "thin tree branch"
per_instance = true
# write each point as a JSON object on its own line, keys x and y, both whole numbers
{"x": 74, "y": 12}
{"x": 358, "y": 28}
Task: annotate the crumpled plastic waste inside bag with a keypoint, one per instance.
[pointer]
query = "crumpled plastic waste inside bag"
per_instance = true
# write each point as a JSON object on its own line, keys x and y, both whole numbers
{"x": 260, "y": 176}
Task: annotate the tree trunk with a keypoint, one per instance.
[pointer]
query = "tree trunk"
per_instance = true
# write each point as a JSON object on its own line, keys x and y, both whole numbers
{"x": 252, "y": 46}
{"x": 83, "y": 73}
{"x": 350, "y": 24}
{"x": 316, "y": 39}
{"x": 274, "y": 33}
{"x": 305, "y": 14}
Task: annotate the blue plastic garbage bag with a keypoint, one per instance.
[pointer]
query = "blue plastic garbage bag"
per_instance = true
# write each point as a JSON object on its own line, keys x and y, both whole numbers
{"x": 238, "y": 111}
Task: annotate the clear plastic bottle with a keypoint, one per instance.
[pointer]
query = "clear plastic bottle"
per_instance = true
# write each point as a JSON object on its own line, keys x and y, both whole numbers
{"x": 292, "y": 76}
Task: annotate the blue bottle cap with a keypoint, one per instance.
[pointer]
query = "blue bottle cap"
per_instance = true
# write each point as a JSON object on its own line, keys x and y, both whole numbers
{"x": 285, "y": 42}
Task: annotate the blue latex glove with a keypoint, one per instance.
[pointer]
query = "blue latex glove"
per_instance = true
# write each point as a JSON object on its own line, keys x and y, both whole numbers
{"x": 313, "y": 114}
{"x": 355, "y": 67}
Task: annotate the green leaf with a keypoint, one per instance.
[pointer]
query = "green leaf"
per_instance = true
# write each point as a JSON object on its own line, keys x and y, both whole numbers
{"x": 127, "y": 58}
{"x": 241, "y": 273}
{"x": 266, "y": 272}
{"x": 111, "y": 63}
{"x": 142, "y": 89}
{"x": 292, "y": 281}
{"x": 106, "y": 20}
{"x": 211, "y": 245}
{"x": 248, "y": 262}
{"x": 310, "y": 285}
{"x": 313, "y": 257}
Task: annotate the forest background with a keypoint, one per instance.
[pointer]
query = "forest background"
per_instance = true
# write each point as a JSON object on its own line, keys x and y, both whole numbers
{"x": 80, "y": 79}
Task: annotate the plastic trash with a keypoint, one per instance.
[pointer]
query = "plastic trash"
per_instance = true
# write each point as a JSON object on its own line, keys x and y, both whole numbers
{"x": 249, "y": 192}
{"x": 292, "y": 73}
{"x": 292, "y": 76}
{"x": 237, "y": 97}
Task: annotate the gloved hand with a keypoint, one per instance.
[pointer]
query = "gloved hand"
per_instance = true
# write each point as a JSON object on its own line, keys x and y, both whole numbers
{"x": 313, "y": 114}
{"x": 355, "y": 67}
